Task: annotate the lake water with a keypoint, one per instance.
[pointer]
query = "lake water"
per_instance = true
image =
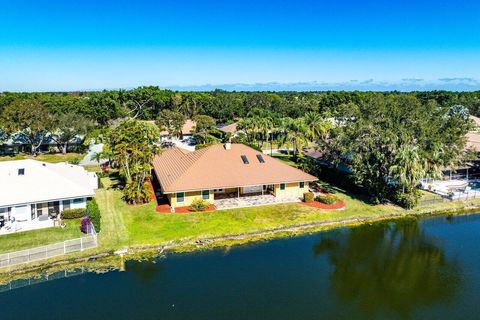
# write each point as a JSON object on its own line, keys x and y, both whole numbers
{"x": 420, "y": 269}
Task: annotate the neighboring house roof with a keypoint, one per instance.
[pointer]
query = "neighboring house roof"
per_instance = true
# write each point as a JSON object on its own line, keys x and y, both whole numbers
{"x": 19, "y": 139}
{"x": 230, "y": 128}
{"x": 313, "y": 153}
{"x": 188, "y": 128}
{"x": 43, "y": 182}
{"x": 216, "y": 167}
{"x": 473, "y": 141}
{"x": 476, "y": 120}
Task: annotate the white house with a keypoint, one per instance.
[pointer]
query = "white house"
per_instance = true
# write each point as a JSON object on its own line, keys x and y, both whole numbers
{"x": 33, "y": 192}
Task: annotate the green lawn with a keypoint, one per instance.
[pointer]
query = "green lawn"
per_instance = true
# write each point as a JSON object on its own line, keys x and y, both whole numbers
{"x": 29, "y": 239}
{"x": 135, "y": 226}
{"x": 93, "y": 168}
{"x": 285, "y": 158}
{"x": 112, "y": 236}
{"x": 142, "y": 225}
{"x": 50, "y": 157}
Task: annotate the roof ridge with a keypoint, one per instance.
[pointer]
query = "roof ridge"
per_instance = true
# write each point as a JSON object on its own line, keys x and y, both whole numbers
{"x": 194, "y": 160}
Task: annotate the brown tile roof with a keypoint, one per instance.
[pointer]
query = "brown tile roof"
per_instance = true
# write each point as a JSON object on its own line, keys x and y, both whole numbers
{"x": 231, "y": 128}
{"x": 473, "y": 141}
{"x": 476, "y": 120}
{"x": 215, "y": 167}
{"x": 313, "y": 153}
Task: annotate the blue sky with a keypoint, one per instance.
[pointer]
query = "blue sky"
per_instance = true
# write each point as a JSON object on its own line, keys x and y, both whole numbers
{"x": 84, "y": 45}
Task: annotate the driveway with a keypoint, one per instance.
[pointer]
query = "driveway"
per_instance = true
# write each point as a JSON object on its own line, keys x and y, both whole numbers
{"x": 88, "y": 160}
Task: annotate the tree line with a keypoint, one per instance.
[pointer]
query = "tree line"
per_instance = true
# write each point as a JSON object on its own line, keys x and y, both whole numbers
{"x": 148, "y": 102}
{"x": 390, "y": 140}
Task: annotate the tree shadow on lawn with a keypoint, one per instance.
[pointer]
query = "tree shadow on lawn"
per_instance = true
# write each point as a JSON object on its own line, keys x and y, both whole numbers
{"x": 332, "y": 189}
{"x": 117, "y": 180}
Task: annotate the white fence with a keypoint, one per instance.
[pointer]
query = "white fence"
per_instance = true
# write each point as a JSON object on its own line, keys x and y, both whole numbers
{"x": 49, "y": 251}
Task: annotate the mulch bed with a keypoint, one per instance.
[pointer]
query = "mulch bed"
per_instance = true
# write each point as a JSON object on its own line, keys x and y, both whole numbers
{"x": 339, "y": 205}
{"x": 165, "y": 208}
{"x": 152, "y": 190}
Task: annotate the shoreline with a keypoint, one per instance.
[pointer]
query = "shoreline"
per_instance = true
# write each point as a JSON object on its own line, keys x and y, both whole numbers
{"x": 140, "y": 252}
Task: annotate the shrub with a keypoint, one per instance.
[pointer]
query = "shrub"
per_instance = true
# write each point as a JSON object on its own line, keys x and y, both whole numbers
{"x": 199, "y": 205}
{"x": 85, "y": 225}
{"x": 73, "y": 213}
{"x": 94, "y": 214}
{"x": 407, "y": 200}
{"x": 308, "y": 197}
{"x": 327, "y": 199}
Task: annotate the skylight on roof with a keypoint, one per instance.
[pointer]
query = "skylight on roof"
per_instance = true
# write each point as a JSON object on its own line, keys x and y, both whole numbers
{"x": 260, "y": 158}
{"x": 244, "y": 159}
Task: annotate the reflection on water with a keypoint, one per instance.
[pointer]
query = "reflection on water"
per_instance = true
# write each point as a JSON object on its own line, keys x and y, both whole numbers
{"x": 147, "y": 271}
{"x": 390, "y": 267}
{"x": 425, "y": 269}
{"x": 40, "y": 278}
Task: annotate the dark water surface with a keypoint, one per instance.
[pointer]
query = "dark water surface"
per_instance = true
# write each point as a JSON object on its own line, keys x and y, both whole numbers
{"x": 421, "y": 269}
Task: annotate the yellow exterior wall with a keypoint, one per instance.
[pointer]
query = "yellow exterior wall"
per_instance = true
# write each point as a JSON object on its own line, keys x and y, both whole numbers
{"x": 291, "y": 190}
{"x": 189, "y": 197}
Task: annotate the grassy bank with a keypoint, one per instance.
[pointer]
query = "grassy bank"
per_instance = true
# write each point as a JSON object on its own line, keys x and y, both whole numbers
{"x": 141, "y": 227}
{"x": 28, "y": 239}
{"x": 146, "y": 227}
{"x": 53, "y": 158}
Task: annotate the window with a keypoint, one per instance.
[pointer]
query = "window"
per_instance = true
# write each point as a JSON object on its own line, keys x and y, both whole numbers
{"x": 302, "y": 185}
{"x": 180, "y": 196}
{"x": 282, "y": 186}
{"x": 66, "y": 204}
{"x": 260, "y": 158}
{"x": 205, "y": 194}
{"x": 77, "y": 201}
{"x": 21, "y": 172}
{"x": 244, "y": 159}
{"x": 5, "y": 214}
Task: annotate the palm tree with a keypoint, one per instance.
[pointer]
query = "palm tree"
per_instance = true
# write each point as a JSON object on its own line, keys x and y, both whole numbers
{"x": 433, "y": 164}
{"x": 297, "y": 134}
{"x": 247, "y": 126}
{"x": 97, "y": 156}
{"x": 317, "y": 125}
{"x": 408, "y": 167}
{"x": 265, "y": 126}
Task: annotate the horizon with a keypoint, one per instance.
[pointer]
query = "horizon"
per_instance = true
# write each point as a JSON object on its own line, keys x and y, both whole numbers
{"x": 240, "y": 46}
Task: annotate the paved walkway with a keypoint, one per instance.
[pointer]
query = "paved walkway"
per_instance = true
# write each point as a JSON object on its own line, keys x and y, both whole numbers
{"x": 181, "y": 143}
{"x": 88, "y": 160}
{"x": 251, "y": 201}
{"x": 26, "y": 226}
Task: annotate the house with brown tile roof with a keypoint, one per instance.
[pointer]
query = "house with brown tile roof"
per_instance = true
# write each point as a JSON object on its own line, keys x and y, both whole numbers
{"x": 229, "y": 128}
{"x": 187, "y": 128}
{"x": 223, "y": 174}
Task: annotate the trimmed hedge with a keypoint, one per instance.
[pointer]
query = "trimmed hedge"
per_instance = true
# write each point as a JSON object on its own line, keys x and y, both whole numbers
{"x": 73, "y": 214}
{"x": 308, "y": 197}
{"x": 330, "y": 199}
{"x": 199, "y": 205}
{"x": 94, "y": 213}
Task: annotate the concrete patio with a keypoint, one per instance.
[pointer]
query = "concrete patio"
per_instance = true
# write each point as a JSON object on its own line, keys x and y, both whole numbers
{"x": 12, "y": 227}
{"x": 251, "y": 201}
